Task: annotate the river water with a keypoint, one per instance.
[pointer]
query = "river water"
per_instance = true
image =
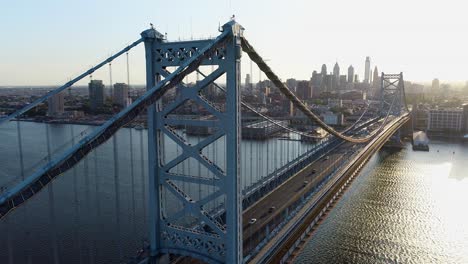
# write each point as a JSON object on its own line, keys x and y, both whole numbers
{"x": 97, "y": 212}
{"x": 405, "y": 207}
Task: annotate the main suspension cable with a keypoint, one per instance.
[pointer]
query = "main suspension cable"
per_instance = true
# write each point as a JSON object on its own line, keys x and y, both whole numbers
{"x": 277, "y": 123}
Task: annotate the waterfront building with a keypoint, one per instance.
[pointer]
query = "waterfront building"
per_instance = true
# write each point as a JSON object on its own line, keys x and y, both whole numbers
{"x": 465, "y": 118}
{"x": 56, "y": 105}
{"x": 420, "y": 118}
{"x": 333, "y": 119}
{"x": 96, "y": 94}
{"x": 261, "y": 130}
{"x": 445, "y": 120}
{"x": 121, "y": 94}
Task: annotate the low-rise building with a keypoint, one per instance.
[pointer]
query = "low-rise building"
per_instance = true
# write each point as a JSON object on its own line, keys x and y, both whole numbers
{"x": 440, "y": 120}
{"x": 56, "y": 105}
{"x": 333, "y": 119}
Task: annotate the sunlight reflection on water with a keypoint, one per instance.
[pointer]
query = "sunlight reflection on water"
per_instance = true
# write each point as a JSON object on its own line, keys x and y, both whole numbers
{"x": 405, "y": 207}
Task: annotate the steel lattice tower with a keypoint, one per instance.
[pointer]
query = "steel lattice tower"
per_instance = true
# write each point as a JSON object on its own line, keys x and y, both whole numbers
{"x": 182, "y": 221}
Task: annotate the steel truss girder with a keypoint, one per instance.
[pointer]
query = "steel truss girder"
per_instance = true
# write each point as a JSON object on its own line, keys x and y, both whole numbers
{"x": 224, "y": 243}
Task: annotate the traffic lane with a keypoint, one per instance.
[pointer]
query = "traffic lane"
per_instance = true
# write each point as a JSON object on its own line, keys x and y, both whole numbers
{"x": 293, "y": 188}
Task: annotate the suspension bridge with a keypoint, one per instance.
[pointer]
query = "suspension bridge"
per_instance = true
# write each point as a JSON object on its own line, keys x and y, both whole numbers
{"x": 216, "y": 197}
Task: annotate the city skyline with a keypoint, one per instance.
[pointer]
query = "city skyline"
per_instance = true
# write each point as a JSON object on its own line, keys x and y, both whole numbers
{"x": 167, "y": 148}
{"x": 61, "y": 48}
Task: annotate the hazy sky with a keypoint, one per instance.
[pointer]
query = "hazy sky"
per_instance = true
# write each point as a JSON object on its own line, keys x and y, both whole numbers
{"x": 47, "y": 42}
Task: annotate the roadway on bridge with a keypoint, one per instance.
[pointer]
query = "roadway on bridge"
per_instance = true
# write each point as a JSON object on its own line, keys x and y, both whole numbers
{"x": 288, "y": 193}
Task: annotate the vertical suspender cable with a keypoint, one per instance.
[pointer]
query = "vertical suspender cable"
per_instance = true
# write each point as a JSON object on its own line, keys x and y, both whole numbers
{"x": 199, "y": 174}
{"x": 143, "y": 186}
{"x": 117, "y": 194}
{"x": 111, "y": 93}
{"x": 76, "y": 204}
{"x": 20, "y": 146}
{"x": 268, "y": 158}
{"x": 98, "y": 202}
{"x": 128, "y": 75}
{"x": 132, "y": 175}
{"x": 52, "y": 206}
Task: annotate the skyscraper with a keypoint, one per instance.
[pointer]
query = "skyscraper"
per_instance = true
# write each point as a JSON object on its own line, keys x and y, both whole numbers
{"x": 96, "y": 94}
{"x": 350, "y": 74}
{"x": 292, "y": 84}
{"x": 121, "y": 94}
{"x": 303, "y": 90}
{"x": 376, "y": 78}
{"x": 435, "y": 86}
{"x": 324, "y": 70}
{"x": 367, "y": 71}
{"x": 336, "y": 76}
{"x": 248, "y": 82}
{"x": 55, "y": 105}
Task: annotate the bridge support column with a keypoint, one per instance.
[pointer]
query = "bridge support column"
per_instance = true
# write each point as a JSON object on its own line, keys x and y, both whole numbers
{"x": 195, "y": 203}
{"x": 393, "y": 101}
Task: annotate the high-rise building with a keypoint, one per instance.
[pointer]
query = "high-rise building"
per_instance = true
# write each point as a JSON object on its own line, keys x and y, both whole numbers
{"x": 316, "y": 79}
{"x": 121, "y": 94}
{"x": 343, "y": 81}
{"x": 324, "y": 70}
{"x": 316, "y": 83}
{"x": 435, "y": 86}
{"x": 336, "y": 76}
{"x": 376, "y": 75}
{"x": 96, "y": 94}
{"x": 329, "y": 83}
{"x": 304, "y": 90}
{"x": 356, "y": 78}
{"x": 291, "y": 83}
{"x": 367, "y": 71}
{"x": 350, "y": 74}
{"x": 55, "y": 105}
{"x": 248, "y": 81}
{"x": 376, "y": 79}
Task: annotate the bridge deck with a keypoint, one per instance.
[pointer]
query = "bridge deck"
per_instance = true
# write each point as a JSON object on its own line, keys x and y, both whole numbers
{"x": 322, "y": 196}
{"x": 286, "y": 195}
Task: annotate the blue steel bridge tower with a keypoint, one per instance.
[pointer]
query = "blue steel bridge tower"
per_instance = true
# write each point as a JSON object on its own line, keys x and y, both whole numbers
{"x": 393, "y": 101}
{"x": 195, "y": 214}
